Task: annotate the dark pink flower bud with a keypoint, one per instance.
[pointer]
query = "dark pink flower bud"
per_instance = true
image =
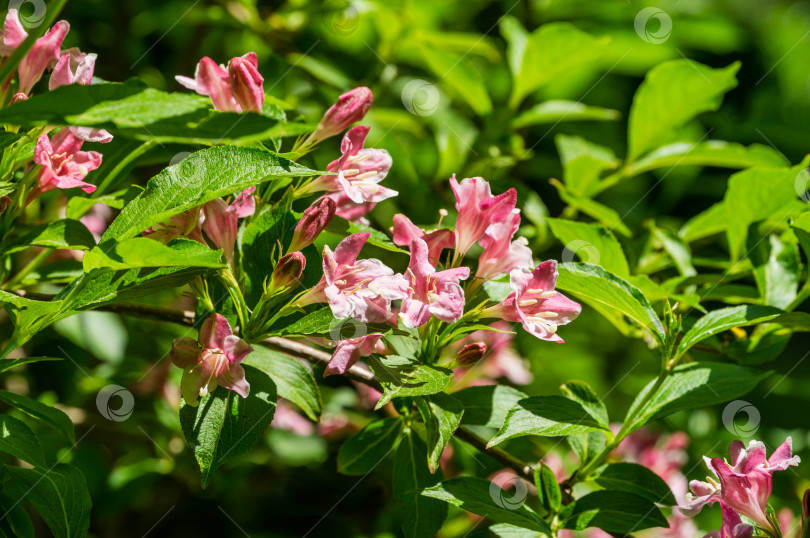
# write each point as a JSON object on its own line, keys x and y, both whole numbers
{"x": 288, "y": 270}
{"x": 246, "y": 82}
{"x": 18, "y": 97}
{"x": 350, "y": 108}
{"x": 316, "y": 218}
{"x": 471, "y": 354}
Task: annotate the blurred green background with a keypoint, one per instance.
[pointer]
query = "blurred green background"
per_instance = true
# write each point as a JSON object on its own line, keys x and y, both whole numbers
{"x": 144, "y": 480}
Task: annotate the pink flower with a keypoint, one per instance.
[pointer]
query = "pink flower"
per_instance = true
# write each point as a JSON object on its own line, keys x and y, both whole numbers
{"x": 665, "y": 455}
{"x": 287, "y": 418}
{"x": 235, "y": 89}
{"x": 745, "y": 485}
{"x": 478, "y": 209}
{"x": 350, "y": 108}
{"x": 64, "y": 166}
{"x": 425, "y": 292}
{"x": 732, "y": 527}
{"x": 470, "y": 354}
{"x": 348, "y": 209}
{"x": 222, "y": 220}
{"x": 501, "y": 254}
{"x": 358, "y": 171}
{"x": 405, "y": 232}
{"x": 213, "y": 360}
{"x": 77, "y": 68}
{"x": 45, "y": 52}
{"x": 349, "y": 351}
{"x": 316, "y": 218}
{"x": 346, "y": 283}
{"x": 13, "y": 33}
{"x": 535, "y": 304}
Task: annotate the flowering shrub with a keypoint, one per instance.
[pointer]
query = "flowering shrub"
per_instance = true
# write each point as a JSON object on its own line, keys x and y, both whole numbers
{"x": 291, "y": 275}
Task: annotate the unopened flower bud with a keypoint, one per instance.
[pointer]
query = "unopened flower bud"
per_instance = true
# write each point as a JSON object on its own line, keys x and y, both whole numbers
{"x": 350, "y": 108}
{"x": 288, "y": 270}
{"x": 806, "y": 505}
{"x": 18, "y": 97}
{"x": 316, "y": 218}
{"x": 246, "y": 83}
{"x": 471, "y": 354}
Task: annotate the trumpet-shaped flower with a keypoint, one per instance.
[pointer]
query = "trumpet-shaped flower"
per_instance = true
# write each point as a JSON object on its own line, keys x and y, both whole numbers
{"x": 732, "y": 527}
{"x": 75, "y": 67}
{"x": 358, "y": 171}
{"x": 64, "y": 165}
{"x": 502, "y": 254}
{"x": 405, "y": 232}
{"x": 237, "y": 88}
{"x": 222, "y": 219}
{"x": 348, "y": 209}
{"x": 349, "y": 351}
{"x": 425, "y": 292}
{"x": 44, "y": 53}
{"x": 535, "y": 303}
{"x": 214, "y": 359}
{"x": 478, "y": 209}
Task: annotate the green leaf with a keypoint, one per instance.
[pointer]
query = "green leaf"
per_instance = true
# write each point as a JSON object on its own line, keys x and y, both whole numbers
{"x": 776, "y": 269}
{"x": 224, "y": 425}
{"x": 16, "y": 523}
{"x": 488, "y": 500}
{"x": 199, "y": 178}
{"x": 546, "y": 416}
{"x": 594, "y": 284}
{"x": 547, "y": 488}
{"x": 400, "y": 376}
{"x": 8, "y": 364}
{"x": 47, "y": 414}
{"x": 694, "y": 385}
{"x": 17, "y": 439}
{"x": 557, "y": 111}
{"x": 587, "y": 445}
{"x": 583, "y": 394}
{"x": 677, "y": 250}
{"x": 487, "y": 405}
{"x": 138, "y": 252}
{"x": 442, "y": 415}
{"x": 710, "y": 153}
{"x": 362, "y": 452}
{"x": 293, "y": 379}
{"x": 411, "y": 476}
{"x": 592, "y": 243}
{"x": 552, "y": 50}
{"x": 583, "y": 162}
{"x": 605, "y": 215}
{"x": 615, "y": 512}
{"x": 460, "y": 75}
{"x": 59, "y": 494}
{"x": 59, "y": 234}
{"x": 673, "y": 93}
{"x": 636, "y": 479}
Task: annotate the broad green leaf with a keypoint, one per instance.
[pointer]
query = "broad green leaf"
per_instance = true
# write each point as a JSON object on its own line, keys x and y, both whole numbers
{"x": 199, "y": 178}
{"x": 694, "y": 385}
{"x": 776, "y": 269}
{"x": 377, "y": 238}
{"x": 615, "y": 512}
{"x": 293, "y": 380}
{"x": 587, "y": 445}
{"x": 505, "y": 530}
{"x": 362, "y": 452}
{"x": 677, "y": 250}
{"x": 488, "y": 500}
{"x": 591, "y": 243}
{"x": 594, "y": 284}
{"x": 710, "y": 153}
{"x": 801, "y": 228}
{"x": 487, "y": 405}
{"x": 59, "y": 234}
{"x": 442, "y": 415}
{"x": 16, "y": 523}
{"x": 47, "y": 414}
{"x": 583, "y": 394}
{"x": 425, "y": 516}
{"x": 460, "y": 75}
{"x": 8, "y": 364}
{"x": 546, "y": 416}
{"x": 516, "y": 39}
{"x": 583, "y": 162}
{"x": 59, "y": 494}
{"x": 224, "y": 425}
{"x": 673, "y": 93}
{"x": 400, "y": 376}
{"x": 137, "y": 252}
{"x": 636, "y": 479}
{"x": 557, "y": 111}
{"x": 605, "y": 215}
{"x": 723, "y": 319}
{"x": 17, "y": 439}
{"x": 552, "y": 50}
{"x": 547, "y": 488}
